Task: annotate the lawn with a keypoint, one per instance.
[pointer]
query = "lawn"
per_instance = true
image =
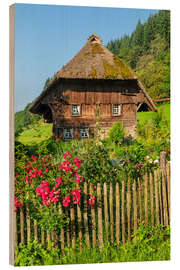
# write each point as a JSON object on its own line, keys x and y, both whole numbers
{"x": 36, "y": 134}
{"x": 145, "y": 116}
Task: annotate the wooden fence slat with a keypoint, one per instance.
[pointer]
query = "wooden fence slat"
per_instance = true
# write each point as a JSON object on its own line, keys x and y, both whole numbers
{"x": 85, "y": 216}
{"x": 117, "y": 214}
{"x": 67, "y": 230}
{"x": 146, "y": 197}
{"x": 168, "y": 188}
{"x": 48, "y": 238}
{"x": 62, "y": 229}
{"x": 140, "y": 200}
{"x": 151, "y": 197}
{"x": 93, "y": 217}
{"x": 42, "y": 238}
{"x": 35, "y": 230}
{"x": 99, "y": 206}
{"x": 15, "y": 231}
{"x": 73, "y": 235}
{"x": 128, "y": 196}
{"x": 156, "y": 196}
{"x": 111, "y": 214}
{"x": 123, "y": 212}
{"x": 106, "y": 217}
{"x": 164, "y": 184}
{"x": 28, "y": 224}
{"x": 22, "y": 225}
{"x": 135, "y": 206}
{"x": 160, "y": 197}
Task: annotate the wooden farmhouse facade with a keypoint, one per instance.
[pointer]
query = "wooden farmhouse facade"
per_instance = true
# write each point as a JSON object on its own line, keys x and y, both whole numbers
{"x": 94, "y": 84}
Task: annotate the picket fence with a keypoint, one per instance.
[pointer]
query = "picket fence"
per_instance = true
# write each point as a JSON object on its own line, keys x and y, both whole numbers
{"x": 119, "y": 208}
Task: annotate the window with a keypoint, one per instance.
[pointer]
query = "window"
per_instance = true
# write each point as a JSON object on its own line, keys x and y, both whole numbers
{"x": 116, "y": 109}
{"x": 68, "y": 133}
{"x": 75, "y": 109}
{"x": 84, "y": 132}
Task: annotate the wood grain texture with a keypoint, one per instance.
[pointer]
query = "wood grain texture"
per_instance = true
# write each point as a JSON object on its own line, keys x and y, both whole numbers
{"x": 111, "y": 214}
{"x": 123, "y": 212}
{"x": 100, "y": 227}
{"x": 128, "y": 201}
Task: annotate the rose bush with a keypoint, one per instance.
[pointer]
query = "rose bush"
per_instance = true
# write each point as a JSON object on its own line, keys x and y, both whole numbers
{"x": 43, "y": 184}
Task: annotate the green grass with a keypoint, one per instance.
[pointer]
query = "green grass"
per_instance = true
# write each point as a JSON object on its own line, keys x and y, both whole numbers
{"x": 36, "y": 134}
{"x": 145, "y": 116}
{"x": 152, "y": 244}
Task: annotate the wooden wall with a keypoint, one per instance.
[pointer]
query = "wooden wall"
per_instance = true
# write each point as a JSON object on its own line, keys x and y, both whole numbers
{"x": 91, "y": 96}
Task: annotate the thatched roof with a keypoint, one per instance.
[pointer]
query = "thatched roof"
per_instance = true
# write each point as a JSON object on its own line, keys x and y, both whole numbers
{"x": 94, "y": 61}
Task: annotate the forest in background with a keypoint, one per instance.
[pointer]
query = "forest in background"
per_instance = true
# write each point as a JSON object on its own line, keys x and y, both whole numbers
{"x": 146, "y": 51}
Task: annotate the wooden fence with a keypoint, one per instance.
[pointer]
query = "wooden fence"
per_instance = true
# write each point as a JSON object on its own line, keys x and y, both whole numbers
{"x": 119, "y": 208}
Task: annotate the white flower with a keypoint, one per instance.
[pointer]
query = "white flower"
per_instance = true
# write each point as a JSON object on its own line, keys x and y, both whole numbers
{"x": 147, "y": 157}
{"x": 156, "y": 161}
{"x": 150, "y": 160}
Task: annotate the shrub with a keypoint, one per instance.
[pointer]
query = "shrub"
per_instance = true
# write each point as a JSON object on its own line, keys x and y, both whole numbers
{"x": 116, "y": 133}
{"x": 41, "y": 184}
{"x": 34, "y": 254}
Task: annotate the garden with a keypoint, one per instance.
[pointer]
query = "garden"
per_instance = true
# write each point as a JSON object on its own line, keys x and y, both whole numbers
{"x": 95, "y": 200}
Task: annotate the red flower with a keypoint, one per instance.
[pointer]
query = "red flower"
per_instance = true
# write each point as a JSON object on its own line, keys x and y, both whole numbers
{"x": 91, "y": 201}
{"x": 67, "y": 154}
{"x": 58, "y": 181}
{"x": 66, "y": 201}
{"x": 16, "y": 203}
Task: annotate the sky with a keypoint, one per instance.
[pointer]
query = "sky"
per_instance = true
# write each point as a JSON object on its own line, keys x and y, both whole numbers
{"x": 48, "y": 36}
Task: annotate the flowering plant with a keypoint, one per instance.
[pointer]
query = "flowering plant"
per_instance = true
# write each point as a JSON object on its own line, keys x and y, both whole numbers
{"x": 44, "y": 186}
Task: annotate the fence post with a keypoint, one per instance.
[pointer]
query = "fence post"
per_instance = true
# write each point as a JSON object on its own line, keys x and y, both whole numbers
{"x": 156, "y": 196}
{"x": 100, "y": 227}
{"x": 15, "y": 231}
{"x": 129, "y": 209}
{"x": 164, "y": 185}
{"x": 111, "y": 213}
{"x": 169, "y": 189}
{"x": 140, "y": 200}
{"x": 72, "y": 217}
{"x": 67, "y": 229}
{"x": 28, "y": 224}
{"x": 62, "y": 230}
{"x": 123, "y": 213}
{"x": 85, "y": 216}
{"x": 146, "y": 197}
{"x": 48, "y": 239}
{"x": 152, "y": 198}
{"x": 93, "y": 217}
{"x": 22, "y": 225}
{"x": 135, "y": 206}
{"x": 117, "y": 213}
{"x": 106, "y": 211}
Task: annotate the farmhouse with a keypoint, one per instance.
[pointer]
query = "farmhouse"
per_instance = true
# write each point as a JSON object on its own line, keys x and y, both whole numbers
{"x": 95, "y": 84}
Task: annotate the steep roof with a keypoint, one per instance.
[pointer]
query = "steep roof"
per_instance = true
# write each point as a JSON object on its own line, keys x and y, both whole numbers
{"x": 94, "y": 61}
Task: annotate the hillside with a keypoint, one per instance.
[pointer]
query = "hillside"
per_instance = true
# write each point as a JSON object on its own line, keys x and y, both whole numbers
{"x": 147, "y": 51}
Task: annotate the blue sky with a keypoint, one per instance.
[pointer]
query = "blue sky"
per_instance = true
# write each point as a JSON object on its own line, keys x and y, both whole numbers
{"x": 48, "y": 36}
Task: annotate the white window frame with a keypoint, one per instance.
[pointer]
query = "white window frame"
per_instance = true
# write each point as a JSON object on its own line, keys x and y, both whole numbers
{"x": 76, "y": 109}
{"x": 84, "y": 133}
{"x": 116, "y": 109}
{"x": 68, "y": 133}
